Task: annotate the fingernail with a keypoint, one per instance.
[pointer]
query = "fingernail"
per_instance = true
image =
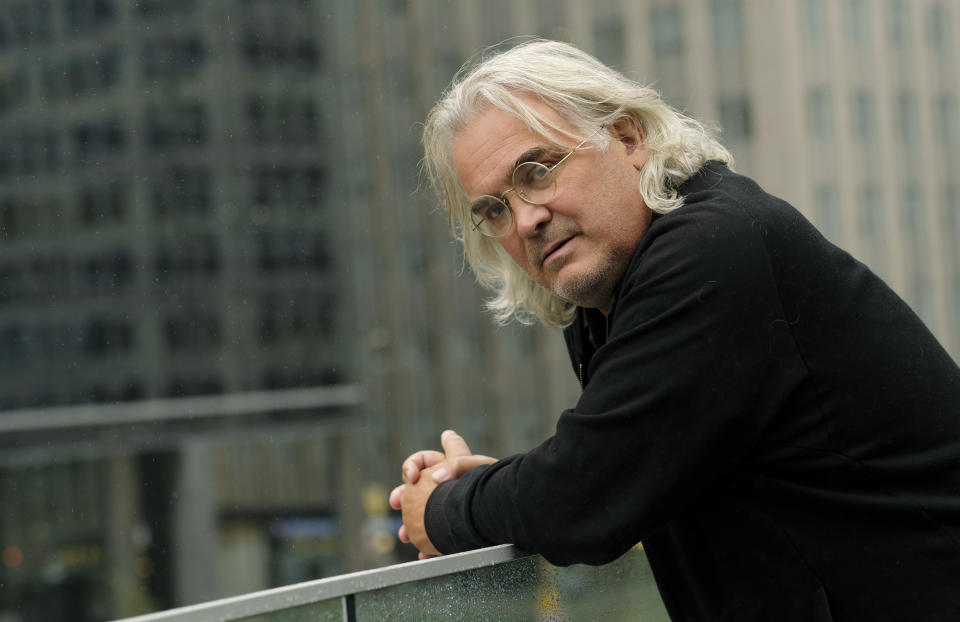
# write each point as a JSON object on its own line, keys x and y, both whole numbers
{"x": 409, "y": 472}
{"x": 439, "y": 475}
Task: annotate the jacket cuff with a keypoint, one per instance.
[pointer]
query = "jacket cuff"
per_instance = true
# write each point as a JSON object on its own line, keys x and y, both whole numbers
{"x": 447, "y": 517}
{"x": 435, "y": 520}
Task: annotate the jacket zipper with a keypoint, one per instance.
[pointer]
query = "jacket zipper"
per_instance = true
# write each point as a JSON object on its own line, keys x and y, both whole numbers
{"x": 580, "y": 374}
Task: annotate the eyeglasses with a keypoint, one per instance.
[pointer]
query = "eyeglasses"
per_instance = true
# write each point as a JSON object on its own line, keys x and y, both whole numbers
{"x": 534, "y": 182}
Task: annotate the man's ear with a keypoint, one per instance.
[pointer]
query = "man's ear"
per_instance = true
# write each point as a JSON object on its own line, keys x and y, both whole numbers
{"x": 630, "y": 133}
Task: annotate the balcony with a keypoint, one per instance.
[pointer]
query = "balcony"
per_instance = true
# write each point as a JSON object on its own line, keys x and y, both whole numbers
{"x": 497, "y": 583}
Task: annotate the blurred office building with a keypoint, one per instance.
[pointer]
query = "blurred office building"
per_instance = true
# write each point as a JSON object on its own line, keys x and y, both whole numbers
{"x": 229, "y": 309}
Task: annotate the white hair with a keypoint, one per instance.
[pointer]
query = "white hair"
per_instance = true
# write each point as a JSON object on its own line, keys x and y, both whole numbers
{"x": 587, "y": 94}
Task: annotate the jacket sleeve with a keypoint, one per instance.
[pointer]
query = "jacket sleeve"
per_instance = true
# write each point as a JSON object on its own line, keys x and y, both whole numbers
{"x": 698, "y": 360}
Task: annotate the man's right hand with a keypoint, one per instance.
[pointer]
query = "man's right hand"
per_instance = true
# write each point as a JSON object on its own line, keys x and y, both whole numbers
{"x": 455, "y": 460}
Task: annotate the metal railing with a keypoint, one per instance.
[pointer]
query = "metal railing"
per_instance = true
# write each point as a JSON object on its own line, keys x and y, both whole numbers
{"x": 497, "y": 583}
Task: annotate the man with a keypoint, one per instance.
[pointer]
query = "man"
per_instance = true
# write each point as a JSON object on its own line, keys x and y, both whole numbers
{"x": 764, "y": 413}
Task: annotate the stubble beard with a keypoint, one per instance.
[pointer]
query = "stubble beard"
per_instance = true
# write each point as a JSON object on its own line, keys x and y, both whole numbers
{"x": 591, "y": 289}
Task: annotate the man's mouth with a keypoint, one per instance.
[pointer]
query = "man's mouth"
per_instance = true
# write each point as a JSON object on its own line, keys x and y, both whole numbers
{"x": 554, "y": 247}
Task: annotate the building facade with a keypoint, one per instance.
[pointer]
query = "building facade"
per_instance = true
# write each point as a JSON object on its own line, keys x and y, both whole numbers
{"x": 205, "y": 199}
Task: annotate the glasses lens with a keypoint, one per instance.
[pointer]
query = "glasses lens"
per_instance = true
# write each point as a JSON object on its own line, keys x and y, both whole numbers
{"x": 534, "y": 182}
{"x": 490, "y": 216}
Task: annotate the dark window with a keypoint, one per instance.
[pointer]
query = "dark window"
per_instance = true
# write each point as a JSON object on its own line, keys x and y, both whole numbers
{"x": 182, "y": 191}
{"x": 666, "y": 29}
{"x": 727, "y": 22}
{"x": 735, "y": 117}
{"x": 85, "y": 16}
{"x": 172, "y": 57}
{"x": 107, "y": 336}
{"x": 176, "y": 125}
{"x": 198, "y": 330}
{"x": 293, "y": 251}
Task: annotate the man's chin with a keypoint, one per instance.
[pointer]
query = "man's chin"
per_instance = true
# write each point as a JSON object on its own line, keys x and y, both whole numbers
{"x": 589, "y": 290}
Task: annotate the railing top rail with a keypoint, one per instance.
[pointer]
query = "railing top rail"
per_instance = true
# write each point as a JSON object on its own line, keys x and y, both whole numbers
{"x": 257, "y": 603}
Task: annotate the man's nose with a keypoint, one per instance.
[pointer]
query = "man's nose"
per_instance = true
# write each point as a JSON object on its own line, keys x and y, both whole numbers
{"x": 530, "y": 217}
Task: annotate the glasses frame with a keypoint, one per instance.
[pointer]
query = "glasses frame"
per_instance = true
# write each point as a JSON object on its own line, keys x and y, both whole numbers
{"x": 502, "y": 199}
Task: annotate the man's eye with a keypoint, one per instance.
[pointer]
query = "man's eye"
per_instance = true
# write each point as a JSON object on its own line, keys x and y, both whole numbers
{"x": 532, "y": 175}
{"x": 493, "y": 212}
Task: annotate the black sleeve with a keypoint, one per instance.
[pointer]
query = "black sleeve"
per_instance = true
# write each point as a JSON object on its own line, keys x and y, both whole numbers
{"x": 698, "y": 360}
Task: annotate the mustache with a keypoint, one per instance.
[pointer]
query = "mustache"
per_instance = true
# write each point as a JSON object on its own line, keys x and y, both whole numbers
{"x": 537, "y": 246}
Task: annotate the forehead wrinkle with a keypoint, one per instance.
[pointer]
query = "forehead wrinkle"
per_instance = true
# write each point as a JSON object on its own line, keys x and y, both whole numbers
{"x": 494, "y": 179}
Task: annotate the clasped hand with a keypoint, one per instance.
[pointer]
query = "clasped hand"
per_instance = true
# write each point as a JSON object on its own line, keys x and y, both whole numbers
{"x": 422, "y": 472}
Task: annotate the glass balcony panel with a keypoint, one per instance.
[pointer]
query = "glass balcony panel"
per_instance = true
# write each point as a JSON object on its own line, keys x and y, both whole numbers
{"x": 331, "y": 610}
{"x": 528, "y": 588}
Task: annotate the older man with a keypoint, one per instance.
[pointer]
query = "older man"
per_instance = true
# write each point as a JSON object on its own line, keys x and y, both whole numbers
{"x": 764, "y": 413}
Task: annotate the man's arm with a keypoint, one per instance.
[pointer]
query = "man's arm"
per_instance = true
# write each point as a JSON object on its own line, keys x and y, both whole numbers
{"x": 699, "y": 359}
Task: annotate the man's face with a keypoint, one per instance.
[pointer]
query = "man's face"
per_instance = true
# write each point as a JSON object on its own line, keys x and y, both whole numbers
{"x": 579, "y": 243}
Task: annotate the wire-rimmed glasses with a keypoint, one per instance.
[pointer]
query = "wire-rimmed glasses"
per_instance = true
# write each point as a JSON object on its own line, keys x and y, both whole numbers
{"x": 534, "y": 182}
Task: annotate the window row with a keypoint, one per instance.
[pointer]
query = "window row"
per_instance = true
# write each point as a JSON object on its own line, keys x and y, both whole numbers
{"x": 57, "y": 277}
{"x": 864, "y": 121}
{"x": 285, "y": 317}
{"x": 283, "y": 120}
{"x": 896, "y": 17}
{"x": 281, "y": 318}
{"x": 183, "y": 125}
{"x": 41, "y": 343}
{"x": 34, "y": 21}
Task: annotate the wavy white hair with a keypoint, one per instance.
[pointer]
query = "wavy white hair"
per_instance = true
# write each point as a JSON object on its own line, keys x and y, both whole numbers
{"x": 587, "y": 94}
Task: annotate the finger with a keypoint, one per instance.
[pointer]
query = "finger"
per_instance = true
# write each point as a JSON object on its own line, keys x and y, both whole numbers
{"x": 396, "y": 497}
{"x": 418, "y": 462}
{"x": 453, "y": 444}
{"x": 458, "y": 466}
{"x": 402, "y": 534}
{"x": 423, "y": 556}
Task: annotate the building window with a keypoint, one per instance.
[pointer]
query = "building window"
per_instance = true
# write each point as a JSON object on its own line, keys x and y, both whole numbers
{"x": 819, "y": 113}
{"x": 272, "y": 50}
{"x": 898, "y": 25}
{"x": 112, "y": 270}
{"x": 103, "y": 336}
{"x": 283, "y": 120}
{"x": 293, "y": 251}
{"x": 948, "y": 126}
{"x": 85, "y": 16}
{"x": 666, "y": 30}
{"x": 195, "y": 384}
{"x": 189, "y": 257}
{"x": 95, "y": 139}
{"x": 828, "y": 212}
{"x": 31, "y": 21}
{"x": 905, "y": 117}
{"x": 856, "y": 21}
{"x": 864, "y": 115}
{"x": 176, "y": 125}
{"x": 191, "y": 331}
{"x": 288, "y": 186}
{"x": 295, "y": 318}
{"x": 735, "y": 117}
{"x": 172, "y": 57}
{"x": 182, "y": 191}
{"x": 102, "y": 203}
{"x": 938, "y": 26}
{"x": 814, "y": 20}
{"x": 727, "y": 21}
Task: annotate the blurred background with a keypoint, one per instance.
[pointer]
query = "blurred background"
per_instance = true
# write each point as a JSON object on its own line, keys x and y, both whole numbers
{"x": 229, "y": 309}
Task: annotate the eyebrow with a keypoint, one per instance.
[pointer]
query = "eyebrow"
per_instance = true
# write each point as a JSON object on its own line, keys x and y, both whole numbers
{"x": 529, "y": 155}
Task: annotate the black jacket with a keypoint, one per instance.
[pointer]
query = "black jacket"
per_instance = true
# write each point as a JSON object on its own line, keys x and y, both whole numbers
{"x": 763, "y": 412}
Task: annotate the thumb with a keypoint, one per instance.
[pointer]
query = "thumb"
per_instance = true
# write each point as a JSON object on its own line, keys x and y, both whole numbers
{"x": 453, "y": 445}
